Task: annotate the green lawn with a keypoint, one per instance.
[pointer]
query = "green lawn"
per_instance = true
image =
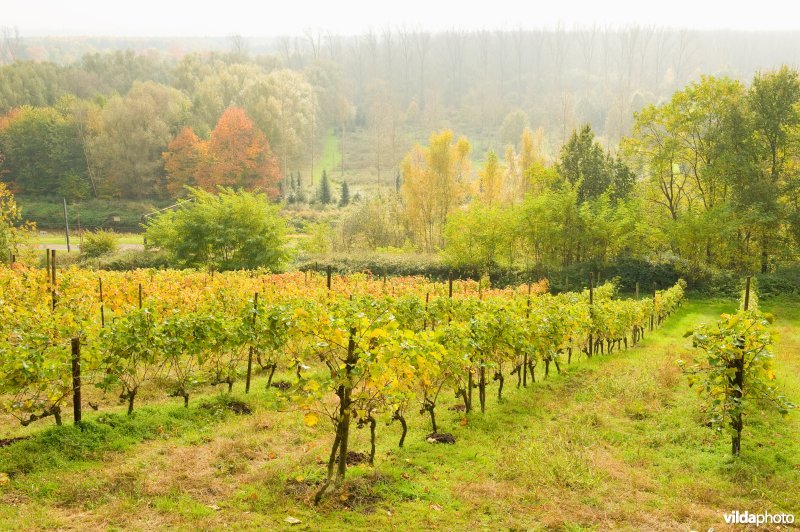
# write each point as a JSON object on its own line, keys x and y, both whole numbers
{"x": 330, "y": 160}
{"x": 52, "y": 237}
{"x": 617, "y": 441}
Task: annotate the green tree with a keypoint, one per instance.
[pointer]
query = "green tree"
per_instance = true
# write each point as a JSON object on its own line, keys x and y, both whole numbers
{"x": 481, "y": 237}
{"x": 225, "y": 231}
{"x": 344, "y": 199}
{"x": 134, "y": 131}
{"x": 772, "y": 187}
{"x": 583, "y": 164}
{"x": 324, "y": 192}
{"x": 43, "y": 152}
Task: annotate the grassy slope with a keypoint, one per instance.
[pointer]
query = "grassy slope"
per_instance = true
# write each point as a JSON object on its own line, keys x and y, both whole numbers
{"x": 330, "y": 160}
{"x": 618, "y": 441}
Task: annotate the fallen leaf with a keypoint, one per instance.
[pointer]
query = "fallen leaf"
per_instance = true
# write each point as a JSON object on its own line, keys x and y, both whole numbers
{"x": 4, "y": 479}
{"x": 214, "y": 507}
{"x": 436, "y": 507}
{"x": 292, "y": 520}
{"x": 310, "y": 419}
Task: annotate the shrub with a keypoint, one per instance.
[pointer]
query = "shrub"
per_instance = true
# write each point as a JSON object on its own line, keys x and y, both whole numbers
{"x": 231, "y": 230}
{"x": 99, "y": 243}
{"x": 129, "y": 259}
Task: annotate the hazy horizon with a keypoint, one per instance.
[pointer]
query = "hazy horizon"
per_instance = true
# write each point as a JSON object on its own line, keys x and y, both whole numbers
{"x": 147, "y": 18}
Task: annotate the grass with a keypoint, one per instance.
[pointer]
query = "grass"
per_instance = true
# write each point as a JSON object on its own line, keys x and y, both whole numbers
{"x": 52, "y": 237}
{"x": 615, "y": 442}
{"x": 330, "y": 160}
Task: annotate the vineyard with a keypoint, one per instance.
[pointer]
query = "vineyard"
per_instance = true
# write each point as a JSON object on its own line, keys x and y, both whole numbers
{"x": 361, "y": 349}
{"x": 371, "y": 378}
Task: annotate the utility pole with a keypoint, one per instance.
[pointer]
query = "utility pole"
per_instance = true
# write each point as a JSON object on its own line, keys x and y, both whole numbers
{"x": 66, "y": 223}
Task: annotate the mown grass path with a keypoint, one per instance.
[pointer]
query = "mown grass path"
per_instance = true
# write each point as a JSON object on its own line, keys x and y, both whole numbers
{"x": 615, "y": 442}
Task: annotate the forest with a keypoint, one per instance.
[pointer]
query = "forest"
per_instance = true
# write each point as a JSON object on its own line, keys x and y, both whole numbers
{"x": 578, "y": 145}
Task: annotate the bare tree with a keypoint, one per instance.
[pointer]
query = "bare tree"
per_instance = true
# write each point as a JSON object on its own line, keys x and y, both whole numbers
{"x": 12, "y": 47}
{"x": 406, "y": 51}
{"x": 587, "y": 40}
{"x": 314, "y": 39}
{"x": 422, "y": 44}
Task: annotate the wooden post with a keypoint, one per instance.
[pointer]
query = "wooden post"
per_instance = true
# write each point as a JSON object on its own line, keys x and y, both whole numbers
{"x": 637, "y": 290}
{"x": 747, "y": 293}
{"x": 591, "y": 302}
{"x": 652, "y": 314}
{"x": 47, "y": 262}
{"x": 450, "y": 287}
{"x": 102, "y": 305}
{"x": 328, "y": 271}
{"x": 250, "y": 351}
{"x": 53, "y": 277}
{"x": 66, "y": 223}
{"x": 140, "y": 296}
{"x": 76, "y": 380}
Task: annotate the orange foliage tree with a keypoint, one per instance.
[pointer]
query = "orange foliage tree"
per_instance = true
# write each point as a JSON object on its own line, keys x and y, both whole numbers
{"x": 237, "y": 155}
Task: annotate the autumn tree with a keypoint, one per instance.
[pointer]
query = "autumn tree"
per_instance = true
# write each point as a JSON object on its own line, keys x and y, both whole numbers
{"x": 434, "y": 182}
{"x": 240, "y": 156}
{"x": 518, "y": 164}
{"x": 490, "y": 180}
{"x": 237, "y": 155}
{"x": 185, "y": 157}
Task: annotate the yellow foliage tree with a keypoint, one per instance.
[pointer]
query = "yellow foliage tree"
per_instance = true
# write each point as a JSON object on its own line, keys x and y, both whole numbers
{"x": 518, "y": 165}
{"x": 434, "y": 183}
{"x": 491, "y": 180}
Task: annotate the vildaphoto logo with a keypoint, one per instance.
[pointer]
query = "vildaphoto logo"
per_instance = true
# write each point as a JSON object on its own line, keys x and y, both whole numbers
{"x": 746, "y": 518}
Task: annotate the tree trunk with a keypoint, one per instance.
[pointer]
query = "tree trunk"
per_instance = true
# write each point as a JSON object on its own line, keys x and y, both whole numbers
{"x": 499, "y": 377}
{"x": 736, "y": 419}
{"x": 470, "y": 385}
{"x": 131, "y": 397}
{"x": 430, "y": 407}
{"x": 399, "y": 417}
{"x": 331, "y": 464}
{"x": 372, "y": 440}
{"x": 525, "y": 371}
{"x": 482, "y": 388}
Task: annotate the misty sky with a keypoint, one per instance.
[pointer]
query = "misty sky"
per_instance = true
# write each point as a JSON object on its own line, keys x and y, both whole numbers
{"x": 266, "y": 18}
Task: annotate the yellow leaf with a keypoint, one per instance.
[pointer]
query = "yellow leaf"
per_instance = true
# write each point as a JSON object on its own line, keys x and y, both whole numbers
{"x": 310, "y": 419}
